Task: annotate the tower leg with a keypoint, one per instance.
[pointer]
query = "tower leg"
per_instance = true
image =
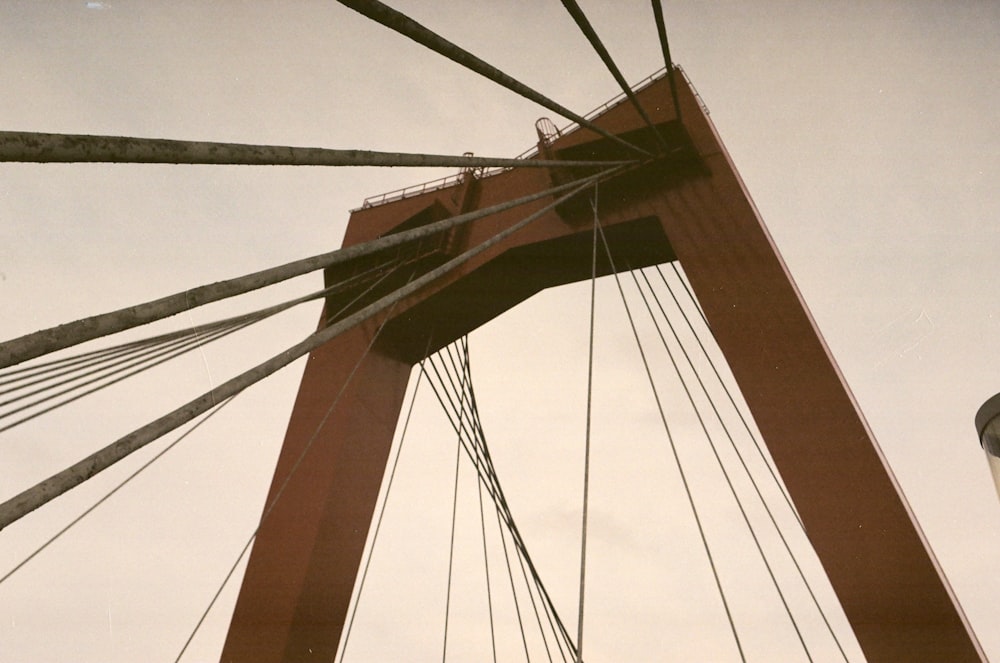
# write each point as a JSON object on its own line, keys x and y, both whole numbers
{"x": 889, "y": 584}
{"x": 300, "y": 576}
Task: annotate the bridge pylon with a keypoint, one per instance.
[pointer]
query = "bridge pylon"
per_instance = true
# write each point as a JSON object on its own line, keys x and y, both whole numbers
{"x": 689, "y": 204}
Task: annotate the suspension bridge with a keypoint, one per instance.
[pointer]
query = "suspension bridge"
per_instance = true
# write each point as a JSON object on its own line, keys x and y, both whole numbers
{"x": 359, "y": 275}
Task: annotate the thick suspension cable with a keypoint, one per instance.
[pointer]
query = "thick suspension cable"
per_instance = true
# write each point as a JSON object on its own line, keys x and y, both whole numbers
{"x": 284, "y": 484}
{"x": 52, "y": 539}
{"x": 661, "y": 31}
{"x": 62, "y": 336}
{"x": 33, "y": 147}
{"x": 588, "y": 30}
{"x": 50, "y": 488}
{"x": 406, "y": 26}
{"x": 673, "y": 449}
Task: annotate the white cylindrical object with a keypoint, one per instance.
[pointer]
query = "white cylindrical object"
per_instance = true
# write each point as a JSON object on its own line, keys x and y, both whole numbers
{"x": 988, "y": 427}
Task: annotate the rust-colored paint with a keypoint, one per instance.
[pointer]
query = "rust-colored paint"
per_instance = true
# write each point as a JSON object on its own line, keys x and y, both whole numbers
{"x": 691, "y": 206}
{"x": 302, "y": 567}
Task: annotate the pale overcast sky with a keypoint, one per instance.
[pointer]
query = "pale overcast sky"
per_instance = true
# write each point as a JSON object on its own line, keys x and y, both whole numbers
{"x": 865, "y": 131}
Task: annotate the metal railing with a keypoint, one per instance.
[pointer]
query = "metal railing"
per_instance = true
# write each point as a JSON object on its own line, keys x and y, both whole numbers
{"x": 452, "y": 180}
{"x": 410, "y": 191}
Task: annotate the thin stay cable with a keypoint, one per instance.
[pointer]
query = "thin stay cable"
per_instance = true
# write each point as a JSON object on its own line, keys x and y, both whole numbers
{"x": 506, "y": 526}
{"x": 462, "y": 368}
{"x": 715, "y": 453}
{"x": 29, "y": 375}
{"x": 284, "y": 484}
{"x": 100, "y": 369}
{"x": 378, "y": 520}
{"x": 119, "y": 486}
{"x": 482, "y": 513}
{"x": 112, "y": 377}
{"x": 725, "y": 387}
{"x": 487, "y": 476}
{"x": 673, "y": 449}
{"x": 108, "y": 369}
{"x": 586, "y": 446}
{"x": 456, "y": 418}
{"x": 746, "y": 469}
{"x": 513, "y": 593}
{"x": 454, "y": 515}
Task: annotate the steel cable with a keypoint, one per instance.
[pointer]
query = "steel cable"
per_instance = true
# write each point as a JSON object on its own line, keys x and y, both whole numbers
{"x": 586, "y": 452}
{"x": 661, "y": 31}
{"x": 50, "y": 488}
{"x": 588, "y": 30}
{"x": 37, "y": 147}
{"x": 732, "y": 400}
{"x": 743, "y": 463}
{"x": 487, "y": 476}
{"x": 269, "y": 507}
{"x": 718, "y": 458}
{"x": 36, "y": 344}
{"x": 673, "y": 449}
{"x": 406, "y": 26}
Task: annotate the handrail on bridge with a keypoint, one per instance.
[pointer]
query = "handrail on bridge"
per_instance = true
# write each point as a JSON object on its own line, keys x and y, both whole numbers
{"x": 451, "y": 180}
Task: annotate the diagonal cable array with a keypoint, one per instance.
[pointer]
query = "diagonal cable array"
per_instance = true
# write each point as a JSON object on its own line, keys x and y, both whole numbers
{"x": 29, "y": 390}
{"x": 36, "y": 344}
{"x": 449, "y": 375}
{"x": 406, "y": 26}
{"x": 588, "y": 30}
{"x": 269, "y": 506}
{"x": 659, "y": 317}
{"x": 43, "y": 492}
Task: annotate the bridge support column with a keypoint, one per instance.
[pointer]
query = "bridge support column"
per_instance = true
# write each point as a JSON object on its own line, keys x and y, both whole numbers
{"x": 301, "y": 572}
